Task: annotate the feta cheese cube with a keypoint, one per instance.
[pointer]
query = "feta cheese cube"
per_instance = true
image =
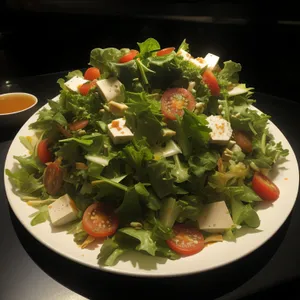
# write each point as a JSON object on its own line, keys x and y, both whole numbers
{"x": 74, "y": 83}
{"x": 221, "y": 130}
{"x": 215, "y": 218}
{"x": 199, "y": 62}
{"x": 111, "y": 89}
{"x": 211, "y": 60}
{"x": 62, "y": 211}
{"x": 184, "y": 54}
{"x": 119, "y": 132}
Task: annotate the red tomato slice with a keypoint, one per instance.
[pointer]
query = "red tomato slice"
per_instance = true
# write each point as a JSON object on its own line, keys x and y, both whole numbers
{"x": 99, "y": 220}
{"x": 78, "y": 125}
{"x": 165, "y": 51}
{"x": 174, "y": 100}
{"x": 264, "y": 187}
{"x": 43, "y": 152}
{"x": 53, "y": 178}
{"x": 211, "y": 81}
{"x": 129, "y": 56}
{"x": 187, "y": 240}
{"x": 243, "y": 140}
{"x": 92, "y": 73}
{"x": 85, "y": 88}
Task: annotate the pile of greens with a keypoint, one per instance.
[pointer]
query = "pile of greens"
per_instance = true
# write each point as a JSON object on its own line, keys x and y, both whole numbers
{"x": 149, "y": 191}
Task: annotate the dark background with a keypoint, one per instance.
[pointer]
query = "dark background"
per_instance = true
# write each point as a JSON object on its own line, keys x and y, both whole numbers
{"x": 41, "y": 37}
{"x": 38, "y": 37}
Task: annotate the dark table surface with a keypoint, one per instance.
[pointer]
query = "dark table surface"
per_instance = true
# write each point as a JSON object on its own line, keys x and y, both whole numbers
{"x": 29, "y": 270}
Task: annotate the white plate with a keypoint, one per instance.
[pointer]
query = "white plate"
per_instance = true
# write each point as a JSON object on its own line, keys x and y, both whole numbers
{"x": 285, "y": 176}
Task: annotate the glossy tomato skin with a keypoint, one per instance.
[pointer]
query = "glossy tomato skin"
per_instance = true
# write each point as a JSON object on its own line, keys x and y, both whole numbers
{"x": 85, "y": 88}
{"x": 174, "y": 100}
{"x": 187, "y": 240}
{"x": 129, "y": 56}
{"x": 99, "y": 220}
{"x": 78, "y": 125}
{"x": 264, "y": 187}
{"x": 43, "y": 152}
{"x": 243, "y": 140}
{"x": 92, "y": 73}
{"x": 210, "y": 79}
{"x": 53, "y": 178}
{"x": 165, "y": 51}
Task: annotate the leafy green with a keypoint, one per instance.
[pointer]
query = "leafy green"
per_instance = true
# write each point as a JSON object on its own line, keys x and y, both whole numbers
{"x": 41, "y": 216}
{"x": 201, "y": 163}
{"x": 184, "y": 46}
{"x": 130, "y": 209}
{"x": 180, "y": 170}
{"x": 169, "y": 212}
{"x": 148, "y": 46}
{"x": 160, "y": 177}
{"x": 24, "y": 182}
{"x": 230, "y": 71}
{"x": 195, "y": 130}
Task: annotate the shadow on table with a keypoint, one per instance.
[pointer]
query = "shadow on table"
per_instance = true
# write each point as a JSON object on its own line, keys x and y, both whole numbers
{"x": 93, "y": 284}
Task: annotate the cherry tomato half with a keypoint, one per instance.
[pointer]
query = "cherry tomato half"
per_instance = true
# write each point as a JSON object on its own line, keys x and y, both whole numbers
{"x": 92, "y": 73}
{"x": 99, "y": 220}
{"x": 43, "y": 152}
{"x": 129, "y": 56}
{"x": 174, "y": 100}
{"x": 85, "y": 88}
{"x": 78, "y": 125}
{"x": 243, "y": 140}
{"x": 264, "y": 187}
{"x": 53, "y": 178}
{"x": 187, "y": 240}
{"x": 165, "y": 51}
{"x": 210, "y": 79}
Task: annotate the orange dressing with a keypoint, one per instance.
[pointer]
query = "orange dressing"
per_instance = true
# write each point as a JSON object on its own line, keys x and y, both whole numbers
{"x": 15, "y": 102}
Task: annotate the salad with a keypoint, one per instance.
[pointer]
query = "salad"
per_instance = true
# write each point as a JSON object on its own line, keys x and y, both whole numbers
{"x": 149, "y": 150}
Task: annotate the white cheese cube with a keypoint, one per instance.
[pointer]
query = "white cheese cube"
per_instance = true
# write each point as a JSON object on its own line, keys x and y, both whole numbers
{"x": 215, "y": 218}
{"x": 199, "y": 62}
{"x": 111, "y": 89}
{"x": 211, "y": 60}
{"x": 221, "y": 130}
{"x": 74, "y": 83}
{"x": 118, "y": 132}
{"x": 62, "y": 211}
{"x": 184, "y": 54}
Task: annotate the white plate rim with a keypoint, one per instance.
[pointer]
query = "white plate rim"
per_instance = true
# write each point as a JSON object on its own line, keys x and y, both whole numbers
{"x": 17, "y": 205}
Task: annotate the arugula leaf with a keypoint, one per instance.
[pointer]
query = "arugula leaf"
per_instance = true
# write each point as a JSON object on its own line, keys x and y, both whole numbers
{"x": 161, "y": 179}
{"x": 146, "y": 243}
{"x": 184, "y": 46}
{"x": 201, "y": 163}
{"x": 147, "y": 197}
{"x": 137, "y": 154}
{"x": 24, "y": 182}
{"x": 80, "y": 141}
{"x": 244, "y": 214}
{"x": 74, "y": 73}
{"x": 130, "y": 209}
{"x": 30, "y": 163}
{"x": 191, "y": 206}
{"x": 242, "y": 193}
{"x": 41, "y": 216}
{"x": 180, "y": 170}
{"x": 148, "y": 46}
{"x": 47, "y": 119}
{"x": 230, "y": 71}
{"x": 195, "y": 128}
